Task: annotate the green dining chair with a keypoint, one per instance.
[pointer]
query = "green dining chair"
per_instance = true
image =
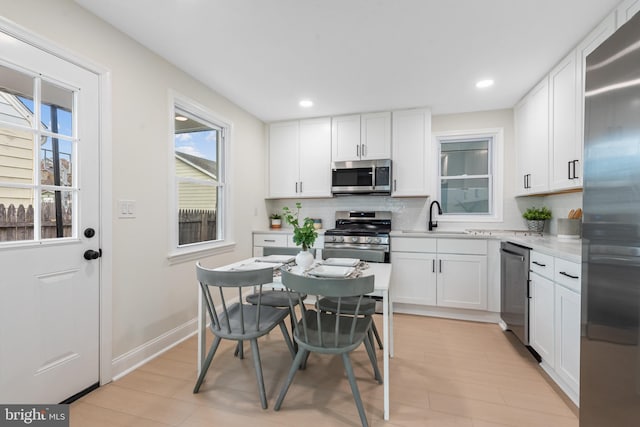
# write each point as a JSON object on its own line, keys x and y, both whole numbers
{"x": 237, "y": 321}
{"x": 330, "y": 333}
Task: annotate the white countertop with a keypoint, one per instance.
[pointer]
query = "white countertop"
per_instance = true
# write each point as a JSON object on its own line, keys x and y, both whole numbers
{"x": 569, "y": 249}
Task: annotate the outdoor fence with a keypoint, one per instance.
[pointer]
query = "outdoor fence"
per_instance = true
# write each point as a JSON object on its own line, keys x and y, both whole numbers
{"x": 196, "y": 225}
{"x": 16, "y": 223}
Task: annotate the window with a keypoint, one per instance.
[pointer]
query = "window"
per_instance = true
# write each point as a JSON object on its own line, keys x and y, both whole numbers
{"x": 467, "y": 179}
{"x": 198, "y": 159}
{"x": 38, "y": 185}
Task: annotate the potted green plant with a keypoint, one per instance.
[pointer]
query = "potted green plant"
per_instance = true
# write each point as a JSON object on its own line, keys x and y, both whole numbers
{"x": 536, "y": 218}
{"x": 303, "y": 235}
{"x": 276, "y": 220}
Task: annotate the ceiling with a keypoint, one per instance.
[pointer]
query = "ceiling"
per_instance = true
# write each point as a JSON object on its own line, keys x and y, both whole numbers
{"x": 351, "y": 56}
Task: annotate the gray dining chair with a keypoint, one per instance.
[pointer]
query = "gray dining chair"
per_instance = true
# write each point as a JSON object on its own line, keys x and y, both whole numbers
{"x": 330, "y": 333}
{"x": 238, "y": 321}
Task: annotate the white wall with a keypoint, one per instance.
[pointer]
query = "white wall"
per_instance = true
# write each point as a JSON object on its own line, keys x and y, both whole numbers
{"x": 150, "y": 297}
{"x": 412, "y": 213}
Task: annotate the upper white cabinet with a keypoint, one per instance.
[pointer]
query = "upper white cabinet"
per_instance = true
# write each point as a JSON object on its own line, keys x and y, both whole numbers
{"x": 626, "y": 10}
{"x": 361, "y": 137}
{"x": 532, "y": 140}
{"x": 300, "y": 159}
{"x": 565, "y": 148}
{"x": 411, "y": 153}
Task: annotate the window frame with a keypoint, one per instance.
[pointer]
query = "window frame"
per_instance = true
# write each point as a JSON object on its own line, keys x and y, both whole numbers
{"x": 224, "y": 217}
{"x": 496, "y": 164}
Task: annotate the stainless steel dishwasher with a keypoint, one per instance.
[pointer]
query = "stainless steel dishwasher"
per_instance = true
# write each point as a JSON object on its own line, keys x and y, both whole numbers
{"x": 514, "y": 289}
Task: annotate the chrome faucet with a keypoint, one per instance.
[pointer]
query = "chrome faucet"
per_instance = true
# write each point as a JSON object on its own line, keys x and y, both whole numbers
{"x": 433, "y": 224}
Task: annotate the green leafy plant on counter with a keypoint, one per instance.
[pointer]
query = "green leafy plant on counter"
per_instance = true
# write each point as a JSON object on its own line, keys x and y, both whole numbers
{"x": 537, "y": 214}
{"x": 275, "y": 216}
{"x": 303, "y": 235}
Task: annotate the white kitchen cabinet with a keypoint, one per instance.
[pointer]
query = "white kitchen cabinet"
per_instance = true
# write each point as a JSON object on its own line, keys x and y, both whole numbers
{"x": 279, "y": 240}
{"x": 532, "y": 140}
{"x": 361, "y": 137}
{"x": 567, "y": 337}
{"x": 565, "y": 148}
{"x": 414, "y": 278}
{"x": 440, "y": 272}
{"x": 411, "y": 149}
{"x": 626, "y": 10}
{"x": 541, "y": 320}
{"x": 554, "y": 318}
{"x": 300, "y": 159}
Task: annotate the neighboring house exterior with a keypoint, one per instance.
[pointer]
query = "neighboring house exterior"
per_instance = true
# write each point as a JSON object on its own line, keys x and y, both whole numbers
{"x": 192, "y": 195}
{"x": 16, "y": 152}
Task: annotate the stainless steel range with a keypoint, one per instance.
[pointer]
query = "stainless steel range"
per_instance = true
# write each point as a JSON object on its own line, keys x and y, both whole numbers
{"x": 359, "y": 234}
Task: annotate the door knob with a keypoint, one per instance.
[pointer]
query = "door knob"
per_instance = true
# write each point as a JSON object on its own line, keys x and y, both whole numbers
{"x": 91, "y": 254}
{"x": 89, "y": 233}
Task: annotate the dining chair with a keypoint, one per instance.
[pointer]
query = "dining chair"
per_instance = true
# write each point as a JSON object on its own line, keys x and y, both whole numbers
{"x": 237, "y": 321}
{"x": 329, "y": 333}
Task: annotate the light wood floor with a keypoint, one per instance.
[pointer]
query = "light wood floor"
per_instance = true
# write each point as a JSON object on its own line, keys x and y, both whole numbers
{"x": 444, "y": 373}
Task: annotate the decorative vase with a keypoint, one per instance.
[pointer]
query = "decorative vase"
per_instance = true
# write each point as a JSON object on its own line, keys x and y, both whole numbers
{"x": 276, "y": 223}
{"x": 304, "y": 259}
{"x": 536, "y": 225}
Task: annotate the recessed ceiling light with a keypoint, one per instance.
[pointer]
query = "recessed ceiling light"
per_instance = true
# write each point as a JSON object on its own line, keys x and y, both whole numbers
{"x": 484, "y": 83}
{"x": 181, "y": 118}
{"x": 306, "y": 103}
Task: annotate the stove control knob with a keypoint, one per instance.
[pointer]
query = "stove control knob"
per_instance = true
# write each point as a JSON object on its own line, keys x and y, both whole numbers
{"x": 338, "y": 239}
{"x": 373, "y": 240}
{"x": 328, "y": 238}
{"x": 354, "y": 239}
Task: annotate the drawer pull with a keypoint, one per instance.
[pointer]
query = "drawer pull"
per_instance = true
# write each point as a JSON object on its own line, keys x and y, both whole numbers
{"x": 569, "y": 275}
{"x": 539, "y": 264}
{"x": 270, "y": 240}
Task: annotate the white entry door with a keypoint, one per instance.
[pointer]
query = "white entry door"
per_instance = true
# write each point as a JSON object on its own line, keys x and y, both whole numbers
{"x": 49, "y": 218}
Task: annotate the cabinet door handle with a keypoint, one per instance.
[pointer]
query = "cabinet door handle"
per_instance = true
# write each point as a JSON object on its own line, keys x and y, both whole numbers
{"x": 358, "y": 150}
{"x": 569, "y": 169}
{"x": 395, "y": 186}
{"x": 538, "y": 263}
{"x": 569, "y": 275}
{"x": 363, "y": 150}
{"x": 433, "y": 265}
{"x": 270, "y": 240}
{"x": 296, "y": 187}
{"x": 574, "y": 169}
{"x": 524, "y": 183}
{"x": 301, "y": 186}
{"x": 440, "y": 266}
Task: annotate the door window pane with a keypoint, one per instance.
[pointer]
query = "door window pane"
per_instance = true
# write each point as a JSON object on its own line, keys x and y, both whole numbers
{"x": 16, "y": 214}
{"x": 56, "y": 151}
{"x": 56, "y": 210}
{"x": 15, "y": 89}
{"x": 56, "y": 108}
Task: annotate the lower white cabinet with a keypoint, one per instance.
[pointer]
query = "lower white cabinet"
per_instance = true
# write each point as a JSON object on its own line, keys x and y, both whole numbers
{"x": 554, "y": 319}
{"x": 541, "y": 319}
{"x": 278, "y": 239}
{"x": 440, "y": 272}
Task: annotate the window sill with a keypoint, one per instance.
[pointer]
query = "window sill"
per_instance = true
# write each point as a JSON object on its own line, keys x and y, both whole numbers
{"x": 195, "y": 253}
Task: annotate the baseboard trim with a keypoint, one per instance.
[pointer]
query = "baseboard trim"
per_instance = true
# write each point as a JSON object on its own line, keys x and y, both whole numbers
{"x": 446, "y": 312}
{"x": 133, "y": 359}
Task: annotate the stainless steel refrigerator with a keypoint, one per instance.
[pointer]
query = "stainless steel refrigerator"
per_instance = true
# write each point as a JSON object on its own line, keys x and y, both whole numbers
{"x": 610, "y": 335}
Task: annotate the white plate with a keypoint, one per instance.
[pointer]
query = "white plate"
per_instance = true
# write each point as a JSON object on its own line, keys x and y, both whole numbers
{"x": 344, "y": 262}
{"x": 331, "y": 271}
{"x": 276, "y": 258}
{"x": 257, "y": 266}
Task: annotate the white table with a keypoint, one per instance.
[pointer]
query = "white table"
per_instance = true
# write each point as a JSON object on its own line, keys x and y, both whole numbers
{"x": 382, "y": 273}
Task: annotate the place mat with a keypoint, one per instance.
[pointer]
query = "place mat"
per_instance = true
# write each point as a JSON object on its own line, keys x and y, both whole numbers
{"x": 256, "y": 265}
{"x": 343, "y": 262}
{"x": 284, "y": 259}
{"x": 331, "y": 271}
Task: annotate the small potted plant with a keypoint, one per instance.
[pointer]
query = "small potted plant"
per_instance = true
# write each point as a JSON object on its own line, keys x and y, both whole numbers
{"x": 276, "y": 220}
{"x": 303, "y": 235}
{"x": 536, "y": 218}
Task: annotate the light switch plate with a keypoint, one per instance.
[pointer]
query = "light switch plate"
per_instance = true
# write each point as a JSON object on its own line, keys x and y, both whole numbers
{"x": 126, "y": 208}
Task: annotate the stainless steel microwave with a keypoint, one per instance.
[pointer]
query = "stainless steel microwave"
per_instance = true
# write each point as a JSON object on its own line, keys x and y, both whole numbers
{"x": 361, "y": 177}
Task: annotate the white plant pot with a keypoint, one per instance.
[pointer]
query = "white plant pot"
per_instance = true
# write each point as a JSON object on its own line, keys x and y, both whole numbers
{"x": 304, "y": 259}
